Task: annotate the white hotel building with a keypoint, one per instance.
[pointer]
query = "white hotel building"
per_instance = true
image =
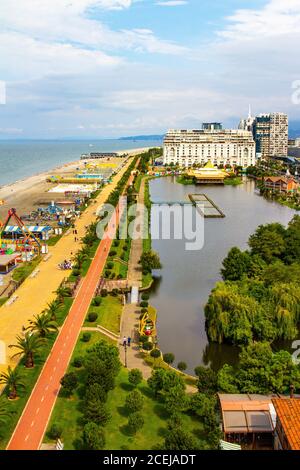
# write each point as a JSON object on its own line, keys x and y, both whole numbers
{"x": 221, "y": 147}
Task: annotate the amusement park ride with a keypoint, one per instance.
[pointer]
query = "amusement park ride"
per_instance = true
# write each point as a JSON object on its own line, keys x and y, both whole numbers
{"x": 27, "y": 242}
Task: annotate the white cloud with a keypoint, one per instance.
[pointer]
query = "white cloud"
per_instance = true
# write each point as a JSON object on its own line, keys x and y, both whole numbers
{"x": 172, "y": 3}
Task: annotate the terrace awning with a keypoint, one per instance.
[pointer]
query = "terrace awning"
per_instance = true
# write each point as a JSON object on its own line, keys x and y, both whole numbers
{"x": 32, "y": 228}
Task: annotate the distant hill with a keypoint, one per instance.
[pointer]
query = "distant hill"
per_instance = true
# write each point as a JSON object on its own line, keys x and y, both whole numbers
{"x": 143, "y": 137}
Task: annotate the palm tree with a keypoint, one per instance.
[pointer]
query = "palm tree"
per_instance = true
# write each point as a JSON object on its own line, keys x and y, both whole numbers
{"x": 28, "y": 346}
{"x": 63, "y": 292}
{"x": 12, "y": 380}
{"x": 52, "y": 308}
{"x": 4, "y": 411}
{"x": 81, "y": 257}
{"x": 42, "y": 325}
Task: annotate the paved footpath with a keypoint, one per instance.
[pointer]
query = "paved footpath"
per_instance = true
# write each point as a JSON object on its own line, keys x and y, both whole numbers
{"x": 34, "y": 294}
{"x": 131, "y": 312}
{"x": 32, "y": 425}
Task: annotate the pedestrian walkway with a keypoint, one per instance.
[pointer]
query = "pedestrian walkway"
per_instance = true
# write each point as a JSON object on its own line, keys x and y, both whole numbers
{"x": 34, "y": 294}
{"x": 131, "y": 312}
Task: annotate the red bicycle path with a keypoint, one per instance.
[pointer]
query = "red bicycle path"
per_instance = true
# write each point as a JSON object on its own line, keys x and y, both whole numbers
{"x": 33, "y": 422}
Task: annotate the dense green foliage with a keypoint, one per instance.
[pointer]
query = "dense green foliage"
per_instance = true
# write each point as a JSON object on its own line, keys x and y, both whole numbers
{"x": 260, "y": 370}
{"x": 260, "y": 298}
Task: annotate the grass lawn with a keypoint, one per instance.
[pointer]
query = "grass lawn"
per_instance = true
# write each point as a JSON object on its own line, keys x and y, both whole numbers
{"x": 109, "y": 313}
{"x": 67, "y": 414}
{"x": 23, "y": 271}
{"x": 3, "y": 300}
{"x": 119, "y": 268}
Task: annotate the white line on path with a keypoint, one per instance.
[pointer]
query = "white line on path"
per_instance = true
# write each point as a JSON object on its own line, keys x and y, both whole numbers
{"x": 37, "y": 411}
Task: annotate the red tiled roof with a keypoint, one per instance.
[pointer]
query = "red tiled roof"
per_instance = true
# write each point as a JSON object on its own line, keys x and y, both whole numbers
{"x": 288, "y": 412}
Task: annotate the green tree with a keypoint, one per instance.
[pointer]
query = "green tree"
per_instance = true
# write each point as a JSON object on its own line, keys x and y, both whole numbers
{"x": 95, "y": 391}
{"x": 135, "y": 377}
{"x": 96, "y": 412}
{"x": 93, "y": 437}
{"x": 135, "y": 422}
{"x": 205, "y": 408}
{"x": 150, "y": 260}
{"x": 28, "y": 346}
{"x": 235, "y": 265}
{"x": 179, "y": 439}
{"x": 162, "y": 380}
{"x": 226, "y": 379}
{"x": 42, "y": 325}
{"x": 169, "y": 358}
{"x": 292, "y": 240}
{"x": 134, "y": 401}
{"x": 207, "y": 382}
{"x": 52, "y": 309}
{"x": 175, "y": 399}
{"x": 268, "y": 242}
{"x": 12, "y": 380}
{"x": 69, "y": 382}
{"x": 182, "y": 366}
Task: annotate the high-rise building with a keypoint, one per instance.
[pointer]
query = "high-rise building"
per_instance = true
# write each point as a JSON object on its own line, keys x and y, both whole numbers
{"x": 212, "y": 126}
{"x": 271, "y": 135}
{"x": 221, "y": 147}
{"x": 247, "y": 124}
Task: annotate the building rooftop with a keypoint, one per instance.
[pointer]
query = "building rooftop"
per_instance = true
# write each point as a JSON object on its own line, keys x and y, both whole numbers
{"x": 288, "y": 411}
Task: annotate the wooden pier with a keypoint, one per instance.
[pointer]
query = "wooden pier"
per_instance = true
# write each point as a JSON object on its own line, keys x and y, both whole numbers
{"x": 205, "y": 206}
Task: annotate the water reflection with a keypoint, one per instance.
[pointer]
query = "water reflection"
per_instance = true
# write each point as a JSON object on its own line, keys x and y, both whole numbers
{"x": 182, "y": 287}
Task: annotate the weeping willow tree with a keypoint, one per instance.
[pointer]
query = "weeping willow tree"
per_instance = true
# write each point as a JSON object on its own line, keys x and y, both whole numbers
{"x": 286, "y": 304}
{"x": 230, "y": 315}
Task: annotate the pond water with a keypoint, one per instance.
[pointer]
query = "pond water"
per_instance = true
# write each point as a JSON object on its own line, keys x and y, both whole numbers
{"x": 182, "y": 287}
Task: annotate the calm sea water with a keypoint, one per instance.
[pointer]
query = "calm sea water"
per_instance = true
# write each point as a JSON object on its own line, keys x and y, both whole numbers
{"x": 20, "y": 159}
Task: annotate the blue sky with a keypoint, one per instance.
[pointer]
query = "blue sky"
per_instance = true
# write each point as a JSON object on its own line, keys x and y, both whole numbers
{"x": 107, "y": 68}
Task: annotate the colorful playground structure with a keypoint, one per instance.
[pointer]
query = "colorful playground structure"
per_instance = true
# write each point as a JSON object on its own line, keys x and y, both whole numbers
{"x": 17, "y": 237}
{"x": 147, "y": 326}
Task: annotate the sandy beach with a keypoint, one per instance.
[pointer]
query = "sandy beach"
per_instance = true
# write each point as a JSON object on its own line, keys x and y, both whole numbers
{"x": 25, "y": 194}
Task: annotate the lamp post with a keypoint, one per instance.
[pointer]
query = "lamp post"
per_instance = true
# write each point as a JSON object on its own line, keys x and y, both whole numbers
{"x": 125, "y": 352}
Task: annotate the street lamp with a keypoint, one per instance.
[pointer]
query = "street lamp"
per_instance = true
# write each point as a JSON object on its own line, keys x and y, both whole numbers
{"x": 125, "y": 352}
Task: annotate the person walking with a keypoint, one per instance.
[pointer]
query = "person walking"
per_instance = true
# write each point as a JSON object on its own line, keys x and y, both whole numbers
{"x": 128, "y": 341}
{"x": 124, "y": 341}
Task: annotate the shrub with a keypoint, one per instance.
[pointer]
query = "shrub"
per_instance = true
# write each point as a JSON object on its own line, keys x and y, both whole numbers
{"x": 95, "y": 411}
{"x": 95, "y": 391}
{"x": 134, "y": 401}
{"x": 76, "y": 272}
{"x": 97, "y": 301}
{"x": 123, "y": 256}
{"x": 110, "y": 265}
{"x": 135, "y": 377}
{"x": 69, "y": 382}
{"x": 86, "y": 337}
{"x": 144, "y": 339}
{"x": 114, "y": 292}
{"x": 147, "y": 346}
{"x": 116, "y": 242}
{"x": 103, "y": 293}
{"x": 93, "y": 437}
{"x": 92, "y": 317}
{"x": 120, "y": 276}
{"x": 145, "y": 272}
{"x": 145, "y": 296}
{"x": 135, "y": 422}
{"x": 112, "y": 253}
{"x": 125, "y": 247}
{"x": 182, "y": 366}
{"x": 155, "y": 353}
{"x": 113, "y": 275}
{"x": 107, "y": 273}
{"x": 169, "y": 358}
{"x": 144, "y": 304}
{"x": 144, "y": 310}
{"x": 55, "y": 431}
{"x": 78, "y": 361}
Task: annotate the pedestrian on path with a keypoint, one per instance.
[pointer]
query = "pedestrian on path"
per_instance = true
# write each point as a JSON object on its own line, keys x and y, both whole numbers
{"x": 128, "y": 341}
{"x": 124, "y": 341}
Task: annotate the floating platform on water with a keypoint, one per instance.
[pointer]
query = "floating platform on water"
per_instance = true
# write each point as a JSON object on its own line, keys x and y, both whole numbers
{"x": 205, "y": 206}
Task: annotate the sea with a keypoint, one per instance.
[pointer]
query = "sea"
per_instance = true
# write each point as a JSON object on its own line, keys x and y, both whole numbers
{"x": 23, "y": 158}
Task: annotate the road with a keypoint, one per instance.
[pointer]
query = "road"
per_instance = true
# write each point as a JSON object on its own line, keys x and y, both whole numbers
{"x": 32, "y": 425}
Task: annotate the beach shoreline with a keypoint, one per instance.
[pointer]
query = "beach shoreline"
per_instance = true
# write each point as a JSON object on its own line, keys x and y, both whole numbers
{"x": 23, "y": 193}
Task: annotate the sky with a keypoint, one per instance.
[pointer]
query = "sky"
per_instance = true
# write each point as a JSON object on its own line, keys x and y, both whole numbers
{"x": 111, "y": 68}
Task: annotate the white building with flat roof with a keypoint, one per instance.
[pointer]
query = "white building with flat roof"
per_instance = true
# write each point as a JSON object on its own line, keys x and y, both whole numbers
{"x": 222, "y": 147}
